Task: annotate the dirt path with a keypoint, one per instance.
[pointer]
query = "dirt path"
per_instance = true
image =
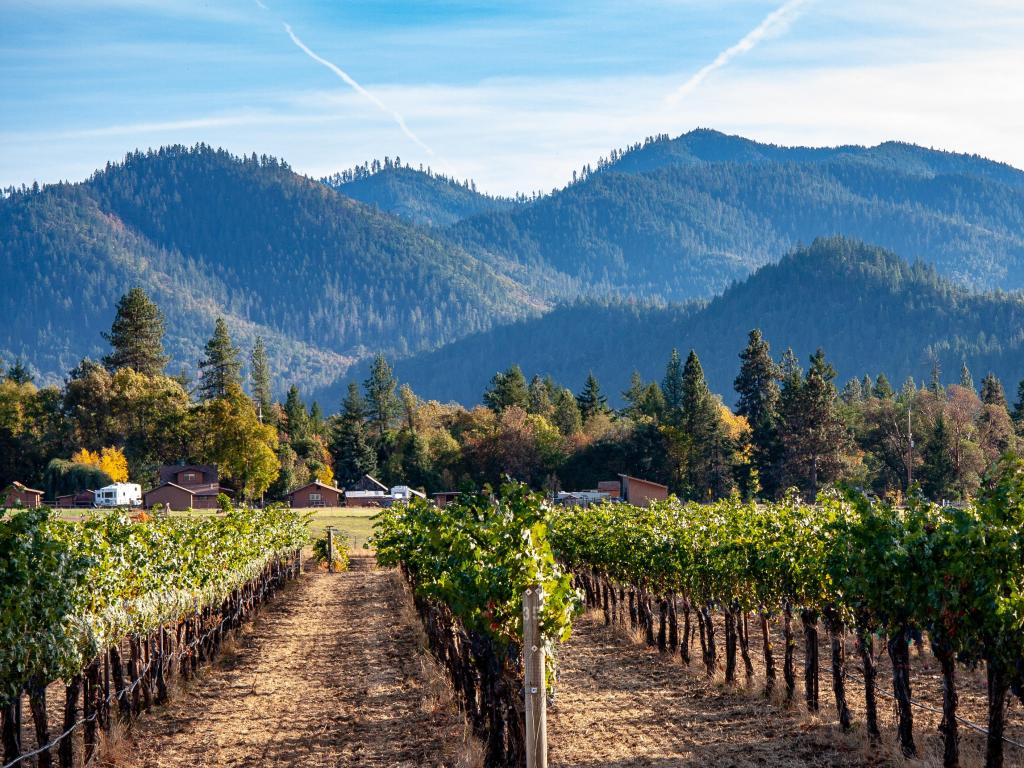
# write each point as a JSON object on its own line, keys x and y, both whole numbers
{"x": 621, "y": 704}
{"x": 331, "y": 674}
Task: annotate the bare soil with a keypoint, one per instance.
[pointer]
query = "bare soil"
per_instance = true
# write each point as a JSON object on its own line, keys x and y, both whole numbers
{"x": 620, "y": 703}
{"x": 332, "y": 673}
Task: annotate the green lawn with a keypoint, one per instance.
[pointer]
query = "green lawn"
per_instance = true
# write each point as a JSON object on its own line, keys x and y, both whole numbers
{"x": 351, "y": 523}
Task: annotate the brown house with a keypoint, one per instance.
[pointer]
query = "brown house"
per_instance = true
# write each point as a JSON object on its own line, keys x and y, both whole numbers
{"x": 642, "y": 492}
{"x": 188, "y": 475}
{"x": 316, "y": 494}
{"x": 84, "y": 498}
{"x": 368, "y": 483}
{"x": 181, "y": 498}
{"x": 20, "y": 495}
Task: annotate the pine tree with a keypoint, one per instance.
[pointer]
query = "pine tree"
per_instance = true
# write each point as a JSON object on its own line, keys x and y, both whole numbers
{"x": 852, "y": 393}
{"x": 814, "y": 436}
{"x": 350, "y": 448}
{"x": 295, "y": 415}
{"x": 882, "y": 388}
{"x": 707, "y": 467}
{"x": 316, "y": 419}
{"x": 259, "y": 378}
{"x": 938, "y": 473}
{"x": 966, "y": 380}
{"x": 634, "y": 396}
{"x": 136, "y": 335}
{"x": 221, "y": 366}
{"x": 382, "y": 403}
{"x": 672, "y": 388}
{"x": 507, "y": 388}
{"x": 758, "y": 387}
{"x": 591, "y": 401}
{"x": 540, "y": 397}
{"x": 992, "y": 391}
{"x": 1018, "y": 407}
{"x": 19, "y": 373}
{"x": 566, "y": 415}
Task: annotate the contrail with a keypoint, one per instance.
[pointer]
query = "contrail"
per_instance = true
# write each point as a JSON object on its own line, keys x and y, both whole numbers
{"x": 359, "y": 89}
{"x": 775, "y": 21}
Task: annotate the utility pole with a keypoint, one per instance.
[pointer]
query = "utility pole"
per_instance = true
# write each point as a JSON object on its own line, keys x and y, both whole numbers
{"x": 534, "y": 682}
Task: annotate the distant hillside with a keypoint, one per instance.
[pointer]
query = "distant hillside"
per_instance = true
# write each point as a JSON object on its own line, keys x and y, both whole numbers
{"x": 323, "y": 277}
{"x": 870, "y": 310}
{"x": 418, "y": 197}
{"x": 679, "y": 219}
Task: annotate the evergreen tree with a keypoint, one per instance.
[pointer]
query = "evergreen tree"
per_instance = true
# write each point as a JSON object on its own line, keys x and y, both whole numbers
{"x": 992, "y": 391}
{"x": 566, "y": 415}
{"x": 295, "y": 415}
{"x": 221, "y": 365}
{"x": 936, "y": 382}
{"x": 814, "y": 436}
{"x": 938, "y": 473}
{"x": 672, "y": 388}
{"x": 352, "y": 452}
{"x": 382, "y": 403}
{"x": 540, "y": 397}
{"x": 591, "y": 401}
{"x": 507, "y": 388}
{"x": 966, "y": 380}
{"x": 634, "y": 396}
{"x": 19, "y": 373}
{"x": 316, "y": 419}
{"x": 653, "y": 402}
{"x": 707, "y": 468}
{"x": 1018, "y": 407}
{"x": 867, "y": 386}
{"x": 852, "y": 393}
{"x": 259, "y": 378}
{"x": 136, "y": 335}
{"x": 882, "y": 388}
{"x": 758, "y": 387}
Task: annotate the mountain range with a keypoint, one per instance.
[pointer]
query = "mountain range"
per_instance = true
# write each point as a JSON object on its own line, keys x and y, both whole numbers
{"x": 671, "y": 242}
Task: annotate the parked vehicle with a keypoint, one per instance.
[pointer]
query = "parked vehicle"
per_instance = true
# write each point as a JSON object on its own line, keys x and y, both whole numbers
{"x": 119, "y": 495}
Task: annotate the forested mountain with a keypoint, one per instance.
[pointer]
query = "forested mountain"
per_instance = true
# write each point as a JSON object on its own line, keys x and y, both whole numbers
{"x": 322, "y": 277}
{"x": 679, "y": 219}
{"x": 871, "y": 312}
{"x": 417, "y": 196}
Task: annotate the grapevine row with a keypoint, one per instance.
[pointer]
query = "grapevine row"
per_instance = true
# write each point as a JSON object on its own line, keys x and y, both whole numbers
{"x": 114, "y": 606}
{"x": 468, "y": 565}
{"x": 853, "y": 563}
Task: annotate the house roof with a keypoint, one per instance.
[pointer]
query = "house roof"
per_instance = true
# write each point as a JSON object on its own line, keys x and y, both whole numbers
{"x": 317, "y": 484}
{"x": 376, "y": 482}
{"x": 22, "y": 488}
{"x": 191, "y": 491}
{"x": 641, "y": 480}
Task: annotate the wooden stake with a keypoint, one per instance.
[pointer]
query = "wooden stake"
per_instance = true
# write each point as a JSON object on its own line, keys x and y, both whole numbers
{"x": 534, "y": 682}
{"x": 330, "y": 550}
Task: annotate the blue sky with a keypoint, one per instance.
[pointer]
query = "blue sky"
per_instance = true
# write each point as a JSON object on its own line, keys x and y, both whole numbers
{"x": 514, "y": 95}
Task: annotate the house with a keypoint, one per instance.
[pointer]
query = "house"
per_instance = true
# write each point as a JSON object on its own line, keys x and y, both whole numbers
{"x": 316, "y": 494}
{"x": 611, "y": 487}
{"x": 186, "y": 486}
{"x": 357, "y": 498}
{"x": 641, "y": 492}
{"x": 20, "y": 495}
{"x": 80, "y": 499}
{"x": 368, "y": 483}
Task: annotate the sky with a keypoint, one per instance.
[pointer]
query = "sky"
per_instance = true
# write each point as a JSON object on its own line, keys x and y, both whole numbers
{"x": 515, "y": 95}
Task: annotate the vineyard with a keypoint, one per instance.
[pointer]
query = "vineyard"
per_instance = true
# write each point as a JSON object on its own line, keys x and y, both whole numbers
{"x": 846, "y": 566}
{"x": 116, "y": 608}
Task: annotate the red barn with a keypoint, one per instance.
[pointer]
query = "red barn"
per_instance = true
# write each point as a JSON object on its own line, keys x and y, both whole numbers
{"x": 20, "y": 495}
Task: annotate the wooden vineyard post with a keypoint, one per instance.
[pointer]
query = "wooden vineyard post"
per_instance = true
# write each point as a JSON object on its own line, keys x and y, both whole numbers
{"x": 330, "y": 549}
{"x": 534, "y": 683}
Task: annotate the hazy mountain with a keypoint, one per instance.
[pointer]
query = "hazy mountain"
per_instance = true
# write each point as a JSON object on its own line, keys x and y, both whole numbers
{"x": 679, "y": 219}
{"x": 868, "y": 309}
{"x": 323, "y": 277}
{"x": 417, "y": 196}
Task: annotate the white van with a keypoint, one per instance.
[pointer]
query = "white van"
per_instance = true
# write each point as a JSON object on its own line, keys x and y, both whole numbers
{"x": 119, "y": 495}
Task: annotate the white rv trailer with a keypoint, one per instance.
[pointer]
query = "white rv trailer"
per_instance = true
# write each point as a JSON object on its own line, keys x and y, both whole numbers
{"x": 119, "y": 495}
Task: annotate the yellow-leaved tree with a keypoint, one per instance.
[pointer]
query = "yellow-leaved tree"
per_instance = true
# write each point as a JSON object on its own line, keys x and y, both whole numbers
{"x": 85, "y": 456}
{"x": 114, "y": 464}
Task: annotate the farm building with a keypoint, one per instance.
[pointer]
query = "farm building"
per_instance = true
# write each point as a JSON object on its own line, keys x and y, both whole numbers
{"x": 186, "y": 486}
{"x": 368, "y": 491}
{"x": 20, "y": 495}
{"x": 368, "y": 483}
{"x": 641, "y": 492}
{"x": 80, "y": 499}
{"x": 443, "y": 498}
{"x": 316, "y": 494}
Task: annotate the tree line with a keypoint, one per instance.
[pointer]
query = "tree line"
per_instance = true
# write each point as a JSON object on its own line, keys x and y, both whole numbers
{"x": 792, "y": 426}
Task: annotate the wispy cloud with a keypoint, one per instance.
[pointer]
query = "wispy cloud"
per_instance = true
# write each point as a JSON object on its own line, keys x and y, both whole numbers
{"x": 775, "y": 22}
{"x": 359, "y": 89}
